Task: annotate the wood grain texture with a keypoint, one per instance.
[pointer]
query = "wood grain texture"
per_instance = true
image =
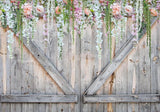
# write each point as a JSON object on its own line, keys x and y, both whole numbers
{"x": 49, "y": 67}
{"x": 109, "y": 69}
{"x": 155, "y": 65}
{"x": 38, "y": 99}
{"x": 79, "y": 67}
{"x": 154, "y": 98}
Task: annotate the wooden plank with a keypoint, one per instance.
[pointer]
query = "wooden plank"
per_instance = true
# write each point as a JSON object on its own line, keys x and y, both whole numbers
{"x": 121, "y": 82}
{"x": 109, "y": 85}
{"x": 38, "y": 98}
{"x": 140, "y": 98}
{"x": 88, "y": 68}
{"x": 144, "y": 76}
{"x": 16, "y": 75}
{"x": 49, "y": 67}
{"x": 155, "y": 107}
{"x": 51, "y": 51}
{"x": 1, "y": 70}
{"x": 133, "y": 79}
{"x": 77, "y": 60}
{"x": 4, "y": 107}
{"x": 110, "y": 68}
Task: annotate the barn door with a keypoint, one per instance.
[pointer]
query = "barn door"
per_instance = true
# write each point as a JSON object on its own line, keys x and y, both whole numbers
{"x": 80, "y": 81}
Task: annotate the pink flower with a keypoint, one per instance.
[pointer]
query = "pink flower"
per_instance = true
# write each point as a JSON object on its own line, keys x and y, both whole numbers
{"x": 149, "y": 1}
{"x": 153, "y": 12}
{"x": 27, "y": 9}
{"x": 87, "y": 11}
{"x": 13, "y": 1}
{"x": 101, "y": 1}
{"x": 40, "y": 9}
{"x": 116, "y": 9}
{"x": 65, "y": 1}
{"x": 128, "y": 9}
{"x": 58, "y": 10}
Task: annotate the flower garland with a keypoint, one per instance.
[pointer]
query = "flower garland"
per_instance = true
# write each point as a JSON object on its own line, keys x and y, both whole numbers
{"x": 78, "y": 15}
{"x": 10, "y": 41}
{"x": 60, "y": 24}
{"x": 21, "y": 16}
{"x": 98, "y": 20}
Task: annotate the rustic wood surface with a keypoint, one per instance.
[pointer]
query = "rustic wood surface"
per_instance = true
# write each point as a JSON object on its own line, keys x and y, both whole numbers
{"x": 141, "y": 98}
{"x": 137, "y": 74}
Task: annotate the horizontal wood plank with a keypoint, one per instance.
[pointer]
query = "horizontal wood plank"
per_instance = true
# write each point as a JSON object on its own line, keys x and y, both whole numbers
{"x": 110, "y": 68}
{"x": 139, "y": 98}
{"x": 38, "y": 99}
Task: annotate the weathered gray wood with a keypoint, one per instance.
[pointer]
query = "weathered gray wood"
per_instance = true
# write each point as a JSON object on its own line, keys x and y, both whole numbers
{"x": 38, "y": 98}
{"x": 133, "y": 79}
{"x": 121, "y": 81}
{"x": 108, "y": 87}
{"x": 4, "y": 107}
{"x": 154, "y": 98}
{"x": 51, "y": 52}
{"x": 16, "y": 71}
{"x": 110, "y": 68}
{"x": 154, "y": 65}
{"x": 31, "y": 78}
{"x": 88, "y": 60}
{"x": 144, "y": 76}
{"x": 1, "y": 68}
{"x": 49, "y": 67}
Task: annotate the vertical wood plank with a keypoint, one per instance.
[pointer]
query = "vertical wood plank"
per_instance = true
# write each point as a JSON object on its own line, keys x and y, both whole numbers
{"x": 39, "y": 75}
{"x": 87, "y": 61}
{"x": 1, "y": 67}
{"x": 144, "y": 73}
{"x": 133, "y": 79}
{"x": 16, "y": 73}
{"x": 158, "y": 68}
{"x": 105, "y": 60}
{"x": 122, "y": 84}
{"x": 4, "y": 88}
{"x": 154, "y": 65}
{"x": 132, "y": 70}
{"x": 77, "y": 72}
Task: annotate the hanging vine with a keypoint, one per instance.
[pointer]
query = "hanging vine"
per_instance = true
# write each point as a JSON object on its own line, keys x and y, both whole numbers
{"x": 19, "y": 17}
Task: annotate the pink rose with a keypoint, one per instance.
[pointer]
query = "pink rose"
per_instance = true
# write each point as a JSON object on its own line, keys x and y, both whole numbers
{"x": 116, "y": 9}
{"x": 153, "y": 12}
{"x": 40, "y": 9}
{"x": 128, "y": 9}
{"x": 87, "y": 11}
{"x": 101, "y": 1}
{"x": 27, "y": 9}
{"x": 13, "y": 1}
{"x": 58, "y": 10}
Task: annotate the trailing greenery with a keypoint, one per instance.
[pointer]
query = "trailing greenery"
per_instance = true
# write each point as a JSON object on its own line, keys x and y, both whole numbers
{"x": 20, "y": 17}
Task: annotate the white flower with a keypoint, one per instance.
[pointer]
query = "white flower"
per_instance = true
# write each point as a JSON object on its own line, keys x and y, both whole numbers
{"x": 40, "y": 9}
{"x": 128, "y": 9}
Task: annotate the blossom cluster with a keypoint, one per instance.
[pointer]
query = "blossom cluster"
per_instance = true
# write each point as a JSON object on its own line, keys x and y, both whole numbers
{"x": 21, "y": 16}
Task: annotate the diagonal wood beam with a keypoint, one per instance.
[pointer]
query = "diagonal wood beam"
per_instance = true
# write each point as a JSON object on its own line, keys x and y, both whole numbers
{"x": 129, "y": 98}
{"x": 49, "y": 67}
{"x": 110, "y": 68}
{"x": 38, "y": 98}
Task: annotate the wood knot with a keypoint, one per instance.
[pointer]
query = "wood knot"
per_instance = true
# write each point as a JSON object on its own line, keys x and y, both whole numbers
{"x": 155, "y": 58}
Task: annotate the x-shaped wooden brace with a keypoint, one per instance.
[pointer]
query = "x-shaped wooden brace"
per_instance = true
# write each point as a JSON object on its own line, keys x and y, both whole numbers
{"x": 89, "y": 96}
{"x": 70, "y": 95}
